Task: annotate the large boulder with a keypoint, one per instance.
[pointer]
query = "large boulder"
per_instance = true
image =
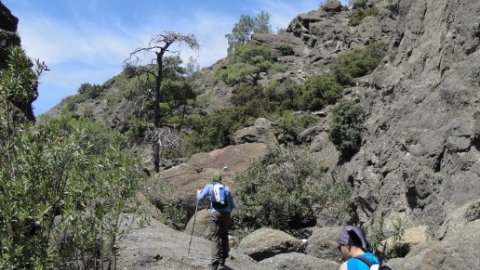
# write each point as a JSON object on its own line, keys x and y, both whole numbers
{"x": 457, "y": 251}
{"x": 295, "y": 261}
{"x": 266, "y": 242}
{"x": 157, "y": 246}
{"x": 201, "y": 227}
{"x": 254, "y": 135}
{"x": 322, "y": 243}
{"x": 197, "y": 172}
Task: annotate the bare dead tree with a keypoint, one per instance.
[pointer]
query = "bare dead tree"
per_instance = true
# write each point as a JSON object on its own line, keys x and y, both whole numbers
{"x": 159, "y": 45}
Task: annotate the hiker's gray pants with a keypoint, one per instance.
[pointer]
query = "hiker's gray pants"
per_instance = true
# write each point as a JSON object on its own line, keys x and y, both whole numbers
{"x": 219, "y": 226}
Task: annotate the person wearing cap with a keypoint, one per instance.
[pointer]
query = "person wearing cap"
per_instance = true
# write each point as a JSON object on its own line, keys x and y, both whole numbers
{"x": 356, "y": 251}
{"x": 219, "y": 221}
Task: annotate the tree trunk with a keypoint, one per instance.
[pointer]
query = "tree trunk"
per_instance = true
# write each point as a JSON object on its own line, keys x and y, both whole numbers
{"x": 156, "y": 113}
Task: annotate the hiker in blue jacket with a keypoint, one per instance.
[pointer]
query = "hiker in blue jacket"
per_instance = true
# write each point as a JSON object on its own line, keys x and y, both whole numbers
{"x": 356, "y": 251}
{"x": 221, "y": 206}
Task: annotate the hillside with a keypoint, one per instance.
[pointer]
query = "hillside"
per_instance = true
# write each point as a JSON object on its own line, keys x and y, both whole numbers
{"x": 410, "y": 169}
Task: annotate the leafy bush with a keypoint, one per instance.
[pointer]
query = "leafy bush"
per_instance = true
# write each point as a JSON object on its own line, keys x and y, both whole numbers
{"x": 283, "y": 95}
{"x": 359, "y": 14}
{"x": 64, "y": 190}
{"x": 161, "y": 194}
{"x": 285, "y": 50}
{"x": 356, "y": 4}
{"x": 321, "y": 90}
{"x": 278, "y": 191}
{"x": 289, "y": 126}
{"x": 129, "y": 70}
{"x": 90, "y": 90}
{"x": 359, "y": 62}
{"x": 393, "y": 248}
{"x": 346, "y": 127}
{"x": 247, "y": 64}
{"x": 214, "y": 130}
{"x": 281, "y": 191}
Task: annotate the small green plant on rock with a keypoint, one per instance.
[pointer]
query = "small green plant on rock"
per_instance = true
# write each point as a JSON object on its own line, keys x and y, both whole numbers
{"x": 346, "y": 127}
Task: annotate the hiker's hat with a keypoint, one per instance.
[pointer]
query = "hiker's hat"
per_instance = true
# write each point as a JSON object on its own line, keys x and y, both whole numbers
{"x": 216, "y": 177}
{"x": 353, "y": 236}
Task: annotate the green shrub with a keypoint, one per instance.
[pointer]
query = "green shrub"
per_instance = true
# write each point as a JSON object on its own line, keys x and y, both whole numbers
{"x": 161, "y": 194}
{"x": 285, "y": 50}
{"x": 321, "y": 90}
{"x": 64, "y": 190}
{"x": 247, "y": 64}
{"x": 129, "y": 70}
{"x": 278, "y": 191}
{"x": 90, "y": 90}
{"x": 283, "y": 95}
{"x": 359, "y": 14}
{"x": 346, "y": 127}
{"x": 289, "y": 126}
{"x": 393, "y": 249}
{"x": 356, "y": 4}
{"x": 358, "y": 63}
{"x": 215, "y": 130}
{"x": 282, "y": 190}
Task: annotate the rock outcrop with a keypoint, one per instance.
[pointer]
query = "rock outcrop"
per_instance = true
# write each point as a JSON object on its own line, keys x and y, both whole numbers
{"x": 419, "y": 159}
{"x": 197, "y": 171}
{"x": 8, "y": 33}
{"x": 264, "y": 243}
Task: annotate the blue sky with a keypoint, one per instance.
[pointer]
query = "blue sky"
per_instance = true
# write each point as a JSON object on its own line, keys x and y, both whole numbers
{"x": 87, "y": 40}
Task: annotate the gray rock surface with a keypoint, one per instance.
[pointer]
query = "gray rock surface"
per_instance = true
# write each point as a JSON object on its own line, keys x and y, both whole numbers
{"x": 157, "y": 246}
{"x": 254, "y": 135}
{"x": 295, "y": 261}
{"x": 8, "y": 33}
{"x": 419, "y": 153}
{"x": 457, "y": 251}
{"x": 321, "y": 243}
{"x": 264, "y": 243}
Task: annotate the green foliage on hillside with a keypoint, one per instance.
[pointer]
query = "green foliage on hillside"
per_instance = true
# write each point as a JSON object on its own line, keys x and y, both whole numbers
{"x": 245, "y": 27}
{"x": 346, "y": 127}
{"x": 359, "y": 14}
{"x": 64, "y": 185}
{"x": 356, "y": 4}
{"x": 358, "y": 62}
{"x": 361, "y": 10}
{"x": 282, "y": 190}
{"x": 64, "y": 189}
{"x": 214, "y": 130}
{"x": 289, "y": 126}
{"x": 321, "y": 90}
{"x": 90, "y": 90}
{"x": 247, "y": 64}
{"x": 283, "y": 95}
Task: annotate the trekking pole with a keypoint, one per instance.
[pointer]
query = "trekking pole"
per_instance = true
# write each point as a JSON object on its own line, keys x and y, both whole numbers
{"x": 193, "y": 227}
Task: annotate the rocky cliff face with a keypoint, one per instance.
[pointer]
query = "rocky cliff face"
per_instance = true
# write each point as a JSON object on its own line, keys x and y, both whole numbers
{"x": 8, "y": 33}
{"x": 420, "y": 154}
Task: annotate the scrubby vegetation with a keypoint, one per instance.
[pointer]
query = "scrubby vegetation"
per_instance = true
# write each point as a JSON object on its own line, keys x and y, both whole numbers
{"x": 65, "y": 185}
{"x": 358, "y": 62}
{"x": 283, "y": 189}
{"x": 346, "y": 127}
{"x": 247, "y": 64}
{"x": 360, "y": 10}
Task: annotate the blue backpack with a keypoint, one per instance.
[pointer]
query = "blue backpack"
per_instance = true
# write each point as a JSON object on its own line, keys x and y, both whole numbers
{"x": 371, "y": 265}
{"x": 219, "y": 196}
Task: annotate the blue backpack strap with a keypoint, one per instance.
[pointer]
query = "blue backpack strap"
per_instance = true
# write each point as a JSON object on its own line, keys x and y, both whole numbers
{"x": 364, "y": 259}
